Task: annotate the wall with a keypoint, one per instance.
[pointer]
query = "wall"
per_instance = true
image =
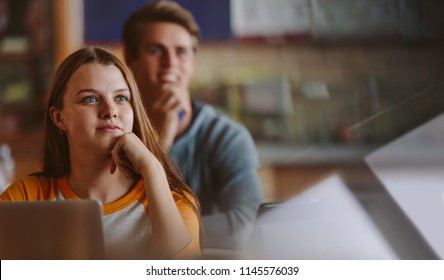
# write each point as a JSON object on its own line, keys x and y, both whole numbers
{"x": 361, "y": 79}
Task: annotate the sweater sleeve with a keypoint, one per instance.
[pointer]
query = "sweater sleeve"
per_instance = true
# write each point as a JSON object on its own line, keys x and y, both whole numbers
{"x": 239, "y": 190}
{"x": 217, "y": 158}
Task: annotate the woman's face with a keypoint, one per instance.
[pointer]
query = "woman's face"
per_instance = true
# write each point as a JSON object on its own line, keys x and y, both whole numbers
{"x": 96, "y": 108}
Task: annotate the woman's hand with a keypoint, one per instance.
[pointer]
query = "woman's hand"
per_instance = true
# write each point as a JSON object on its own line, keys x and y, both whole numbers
{"x": 131, "y": 155}
{"x": 169, "y": 234}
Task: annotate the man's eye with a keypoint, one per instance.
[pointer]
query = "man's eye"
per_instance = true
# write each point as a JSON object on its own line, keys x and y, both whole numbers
{"x": 89, "y": 99}
{"x": 182, "y": 52}
{"x": 154, "y": 50}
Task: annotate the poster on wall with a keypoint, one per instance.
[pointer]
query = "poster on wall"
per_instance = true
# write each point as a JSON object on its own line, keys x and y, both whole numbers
{"x": 354, "y": 18}
{"x": 104, "y": 19}
{"x": 264, "y": 18}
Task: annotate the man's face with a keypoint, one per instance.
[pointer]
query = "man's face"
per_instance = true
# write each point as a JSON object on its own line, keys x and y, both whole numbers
{"x": 165, "y": 57}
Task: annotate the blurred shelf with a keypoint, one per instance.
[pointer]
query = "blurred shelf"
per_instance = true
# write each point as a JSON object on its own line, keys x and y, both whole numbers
{"x": 272, "y": 154}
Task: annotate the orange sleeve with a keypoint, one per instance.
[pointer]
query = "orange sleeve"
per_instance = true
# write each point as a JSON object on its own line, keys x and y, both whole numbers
{"x": 192, "y": 222}
{"x": 28, "y": 189}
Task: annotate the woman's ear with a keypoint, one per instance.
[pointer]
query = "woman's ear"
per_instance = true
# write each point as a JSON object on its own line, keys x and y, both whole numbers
{"x": 56, "y": 117}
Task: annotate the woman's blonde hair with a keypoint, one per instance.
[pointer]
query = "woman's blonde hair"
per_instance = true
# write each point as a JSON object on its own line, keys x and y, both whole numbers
{"x": 55, "y": 149}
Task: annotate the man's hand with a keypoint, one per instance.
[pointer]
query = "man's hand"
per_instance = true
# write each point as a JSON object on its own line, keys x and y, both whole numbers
{"x": 165, "y": 111}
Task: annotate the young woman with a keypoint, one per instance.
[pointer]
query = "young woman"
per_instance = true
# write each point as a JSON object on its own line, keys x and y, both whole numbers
{"x": 99, "y": 144}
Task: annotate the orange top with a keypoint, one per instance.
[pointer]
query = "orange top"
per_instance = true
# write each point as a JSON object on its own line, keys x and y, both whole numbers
{"x": 126, "y": 221}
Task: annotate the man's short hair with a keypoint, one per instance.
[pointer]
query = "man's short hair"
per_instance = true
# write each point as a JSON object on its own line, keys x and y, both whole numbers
{"x": 159, "y": 11}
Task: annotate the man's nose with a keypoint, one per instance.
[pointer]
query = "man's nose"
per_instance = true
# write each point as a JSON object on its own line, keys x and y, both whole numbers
{"x": 169, "y": 58}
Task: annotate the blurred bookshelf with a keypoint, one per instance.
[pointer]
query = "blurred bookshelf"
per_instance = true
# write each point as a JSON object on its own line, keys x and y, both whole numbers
{"x": 27, "y": 62}
{"x": 364, "y": 113}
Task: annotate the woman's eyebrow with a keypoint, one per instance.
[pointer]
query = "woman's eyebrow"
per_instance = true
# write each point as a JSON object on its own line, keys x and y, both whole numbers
{"x": 123, "y": 90}
{"x": 87, "y": 90}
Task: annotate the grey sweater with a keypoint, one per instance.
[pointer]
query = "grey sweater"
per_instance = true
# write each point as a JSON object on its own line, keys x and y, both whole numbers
{"x": 217, "y": 158}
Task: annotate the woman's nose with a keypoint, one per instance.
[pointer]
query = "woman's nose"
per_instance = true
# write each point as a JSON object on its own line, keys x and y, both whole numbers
{"x": 108, "y": 111}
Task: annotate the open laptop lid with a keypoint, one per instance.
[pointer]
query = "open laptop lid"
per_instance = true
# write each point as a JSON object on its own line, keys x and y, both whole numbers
{"x": 324, "y": 222}
{"x": 411, "y": 169}
{"x": 411, "y": 147}
{"x": 305, "y": 226}
{"x": 70, "y": 229}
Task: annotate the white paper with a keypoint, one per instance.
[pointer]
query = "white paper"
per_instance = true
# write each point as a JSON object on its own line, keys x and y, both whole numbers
{"x": 269, "y": 18}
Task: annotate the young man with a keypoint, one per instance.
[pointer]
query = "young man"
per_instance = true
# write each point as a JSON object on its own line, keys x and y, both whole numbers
{"x": 216, "y": 156}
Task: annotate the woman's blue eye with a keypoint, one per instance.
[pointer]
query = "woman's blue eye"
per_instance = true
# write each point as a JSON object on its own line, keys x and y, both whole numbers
{"x": 89, "y": 99}
{"x": 121, "y": 98}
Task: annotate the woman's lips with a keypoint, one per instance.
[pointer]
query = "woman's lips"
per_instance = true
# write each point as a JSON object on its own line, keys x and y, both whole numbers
{"x": 109, "y": 128}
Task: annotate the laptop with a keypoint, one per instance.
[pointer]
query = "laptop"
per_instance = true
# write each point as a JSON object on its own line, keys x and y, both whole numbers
{"x": 402, "y": 173}
{"x": 51, "y": 230}
{"x": 324, "y": 222}
{"x": 411, "y": 170}
{"x": 395, "y": 210}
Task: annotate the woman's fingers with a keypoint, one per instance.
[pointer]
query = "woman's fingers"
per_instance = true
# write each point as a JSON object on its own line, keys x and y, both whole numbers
{"x": 120, "y": 159}
{"x": 130, "y": 154}
{"x": 125, "y": 166}
{"x": 113, "y": 166}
